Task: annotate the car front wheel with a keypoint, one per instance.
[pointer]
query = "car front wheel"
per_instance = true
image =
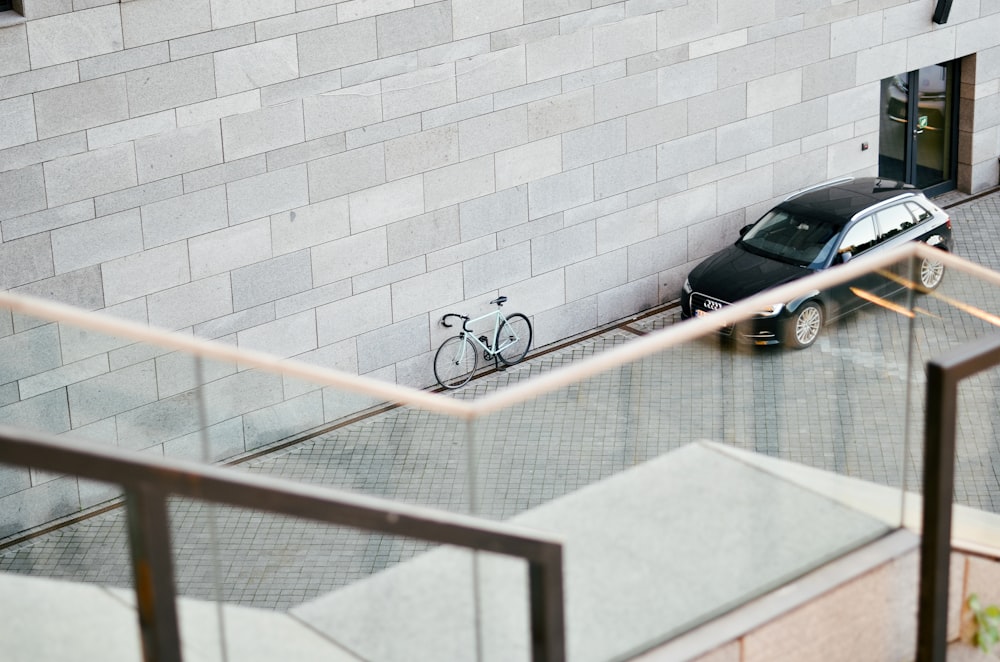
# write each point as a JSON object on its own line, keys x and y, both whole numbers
{"x": 804, "y": 326}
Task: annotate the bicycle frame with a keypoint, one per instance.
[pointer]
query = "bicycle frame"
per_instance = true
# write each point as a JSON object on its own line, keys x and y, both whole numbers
{"x": 498, "y": 319}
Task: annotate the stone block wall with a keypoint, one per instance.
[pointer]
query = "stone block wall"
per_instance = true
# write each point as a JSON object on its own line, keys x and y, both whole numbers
{"x": 322, "y": 179}
{"x": 979, "y": 122}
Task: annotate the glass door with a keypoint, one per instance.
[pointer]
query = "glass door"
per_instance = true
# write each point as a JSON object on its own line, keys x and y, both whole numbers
{"x": 917, "y": 132}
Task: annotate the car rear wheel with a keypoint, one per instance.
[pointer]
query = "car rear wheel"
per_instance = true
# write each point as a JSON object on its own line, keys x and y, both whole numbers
{"x": 804, "y": 326}
{"x": 931, "y": 273}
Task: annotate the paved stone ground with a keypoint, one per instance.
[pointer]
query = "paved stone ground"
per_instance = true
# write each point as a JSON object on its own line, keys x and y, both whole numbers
{"x": 840, "y": 405}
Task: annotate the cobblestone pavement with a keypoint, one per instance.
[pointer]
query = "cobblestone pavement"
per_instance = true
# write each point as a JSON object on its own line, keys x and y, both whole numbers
{"x": 841, "y": 405}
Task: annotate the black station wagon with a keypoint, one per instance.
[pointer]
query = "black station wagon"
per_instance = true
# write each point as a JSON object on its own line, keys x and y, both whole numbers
{"x": 812, "y": 230}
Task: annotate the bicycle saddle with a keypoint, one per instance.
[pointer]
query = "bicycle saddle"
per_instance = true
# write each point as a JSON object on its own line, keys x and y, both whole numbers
{"x": 499, "y": 301}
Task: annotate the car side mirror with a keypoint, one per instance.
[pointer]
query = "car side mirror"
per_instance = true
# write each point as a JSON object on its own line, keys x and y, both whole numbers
{"x": 845, "y": 257}
{"x": 745, "y": 229}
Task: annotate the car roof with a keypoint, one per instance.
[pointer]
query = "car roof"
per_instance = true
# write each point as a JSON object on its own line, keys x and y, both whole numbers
{"x": 841, "y": 200}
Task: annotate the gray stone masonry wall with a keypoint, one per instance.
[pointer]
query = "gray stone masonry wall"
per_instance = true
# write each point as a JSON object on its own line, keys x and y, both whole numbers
{"x": 322, "y": 179}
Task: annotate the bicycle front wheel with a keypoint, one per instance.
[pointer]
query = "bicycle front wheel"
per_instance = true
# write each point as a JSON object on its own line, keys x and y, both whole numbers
{"x": 455, "y": 361}
{"x": 513, "y": 339}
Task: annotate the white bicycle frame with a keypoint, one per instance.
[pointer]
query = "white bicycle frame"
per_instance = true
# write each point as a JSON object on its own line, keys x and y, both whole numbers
{"x": 498, "y": 319}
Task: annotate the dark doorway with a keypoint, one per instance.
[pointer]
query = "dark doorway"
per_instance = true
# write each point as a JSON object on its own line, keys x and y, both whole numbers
{"x": 918, "y": 132}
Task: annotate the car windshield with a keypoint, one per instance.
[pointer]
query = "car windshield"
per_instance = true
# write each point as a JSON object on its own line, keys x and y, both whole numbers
{"x": 791, "y": 238}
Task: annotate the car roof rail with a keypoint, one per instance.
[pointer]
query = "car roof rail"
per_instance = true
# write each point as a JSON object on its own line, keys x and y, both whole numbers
{"x": 888, "y": 202}
{"x": 831, "y": 182}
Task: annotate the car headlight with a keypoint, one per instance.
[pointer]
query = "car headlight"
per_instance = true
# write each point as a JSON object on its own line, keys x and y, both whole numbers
{"x": 687, "y": 286}
{"x": 770, "y": 311}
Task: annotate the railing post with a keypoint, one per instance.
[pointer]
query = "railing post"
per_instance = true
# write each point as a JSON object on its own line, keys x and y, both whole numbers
{"x": 149, "y": 539}
{"x": 548, "y": 641}
{"x": 939, "y": 486}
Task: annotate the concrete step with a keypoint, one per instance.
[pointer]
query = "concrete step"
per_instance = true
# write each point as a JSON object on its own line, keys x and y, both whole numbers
{"x": 650, "y": 552}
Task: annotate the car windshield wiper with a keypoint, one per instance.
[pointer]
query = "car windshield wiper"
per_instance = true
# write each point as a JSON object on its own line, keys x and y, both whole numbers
{"x": 757, "y": 250}
{"x": 750, "y": 248}
{"x": 777, "y": 257}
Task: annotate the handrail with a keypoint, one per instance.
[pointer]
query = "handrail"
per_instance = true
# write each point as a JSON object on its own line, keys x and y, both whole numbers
{"x": 102, "y": 323}
{"x": 149, "y": 481}
{"x": 472, "y": 409}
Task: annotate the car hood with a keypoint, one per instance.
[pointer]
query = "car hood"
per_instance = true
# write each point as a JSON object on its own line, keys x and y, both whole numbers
{"x": 735, "y": 273}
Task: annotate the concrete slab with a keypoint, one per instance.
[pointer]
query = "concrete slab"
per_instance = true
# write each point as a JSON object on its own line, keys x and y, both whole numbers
{"x": 972, "y": 529}
{"x": 651, "y": 551}
{"x": 46, "y": 620}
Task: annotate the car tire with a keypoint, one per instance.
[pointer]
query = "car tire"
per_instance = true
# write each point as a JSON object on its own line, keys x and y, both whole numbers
{"x": 931, "y": 273}
{"x": 804, "y": 325}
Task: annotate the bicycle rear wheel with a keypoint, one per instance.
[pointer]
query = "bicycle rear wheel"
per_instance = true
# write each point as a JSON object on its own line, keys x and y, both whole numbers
{"x": 513, "y": 339}
{"x": 455, "y": 361}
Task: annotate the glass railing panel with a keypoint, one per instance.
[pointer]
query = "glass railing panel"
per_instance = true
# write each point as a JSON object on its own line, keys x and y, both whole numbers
{"x": 851, "y": 405}
{"x": 95, "y": 550}
{"x": 61, "y": 378}
{"x": 271, "y": 561}
{"x": 96, "y": 387}
{"x": 965, "y": 308}
{"x": 616, "y": 462}
{"x": 977, "y": 453}
{"x": 837, "y": 405}
{"x": 824, "y": 407}
{"x": 664, "y": 533}
{"x": 395, "y": 452}
{"x": 58, "y": 380}
{"x": 50, "y": 617}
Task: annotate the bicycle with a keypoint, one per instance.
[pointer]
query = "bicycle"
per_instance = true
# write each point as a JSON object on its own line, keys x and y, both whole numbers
{"x": 458, "y": 357}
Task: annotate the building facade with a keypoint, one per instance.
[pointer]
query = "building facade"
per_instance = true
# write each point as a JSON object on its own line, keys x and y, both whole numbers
{"x": 323, "y": 179}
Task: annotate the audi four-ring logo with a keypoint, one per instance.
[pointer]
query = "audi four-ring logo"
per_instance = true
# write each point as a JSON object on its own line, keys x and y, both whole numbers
{"x": 713, "y": 305}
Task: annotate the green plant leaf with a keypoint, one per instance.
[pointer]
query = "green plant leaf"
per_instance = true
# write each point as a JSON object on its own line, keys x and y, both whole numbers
{"x": 987, "y": 623}
{"x": 974, "y": 603}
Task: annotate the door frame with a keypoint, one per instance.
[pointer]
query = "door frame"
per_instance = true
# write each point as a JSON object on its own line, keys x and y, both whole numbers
{"x": 952, "y": 94}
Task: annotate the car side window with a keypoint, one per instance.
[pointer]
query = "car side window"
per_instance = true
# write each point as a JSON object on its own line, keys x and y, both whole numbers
{"x": 859, "y": 238}
{"x": 893, "y": 220}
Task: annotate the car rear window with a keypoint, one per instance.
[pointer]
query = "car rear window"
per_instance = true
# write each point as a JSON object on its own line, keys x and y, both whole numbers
{"x": 918, "y": 211}
{"x": 893, "y": 220}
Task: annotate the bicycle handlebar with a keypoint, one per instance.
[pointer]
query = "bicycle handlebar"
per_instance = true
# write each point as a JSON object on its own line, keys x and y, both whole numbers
{"x": 444, "y": 320}
{"x": 499, "y": 301}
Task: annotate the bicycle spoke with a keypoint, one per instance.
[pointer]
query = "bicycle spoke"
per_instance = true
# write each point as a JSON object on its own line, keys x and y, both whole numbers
{"x": 513, "y": 339}
{"x": 455, "y": 362}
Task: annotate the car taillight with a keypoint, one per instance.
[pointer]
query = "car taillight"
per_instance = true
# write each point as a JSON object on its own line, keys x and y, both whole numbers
{"x": 947, "y": 222}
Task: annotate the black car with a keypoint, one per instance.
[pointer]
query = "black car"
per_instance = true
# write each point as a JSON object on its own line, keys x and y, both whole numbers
{"x": 812, "y": 230}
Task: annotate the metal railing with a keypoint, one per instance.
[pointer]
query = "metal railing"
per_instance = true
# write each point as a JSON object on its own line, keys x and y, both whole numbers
{"x": 943, "y": 377}
{"x": 149, "y": 482}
